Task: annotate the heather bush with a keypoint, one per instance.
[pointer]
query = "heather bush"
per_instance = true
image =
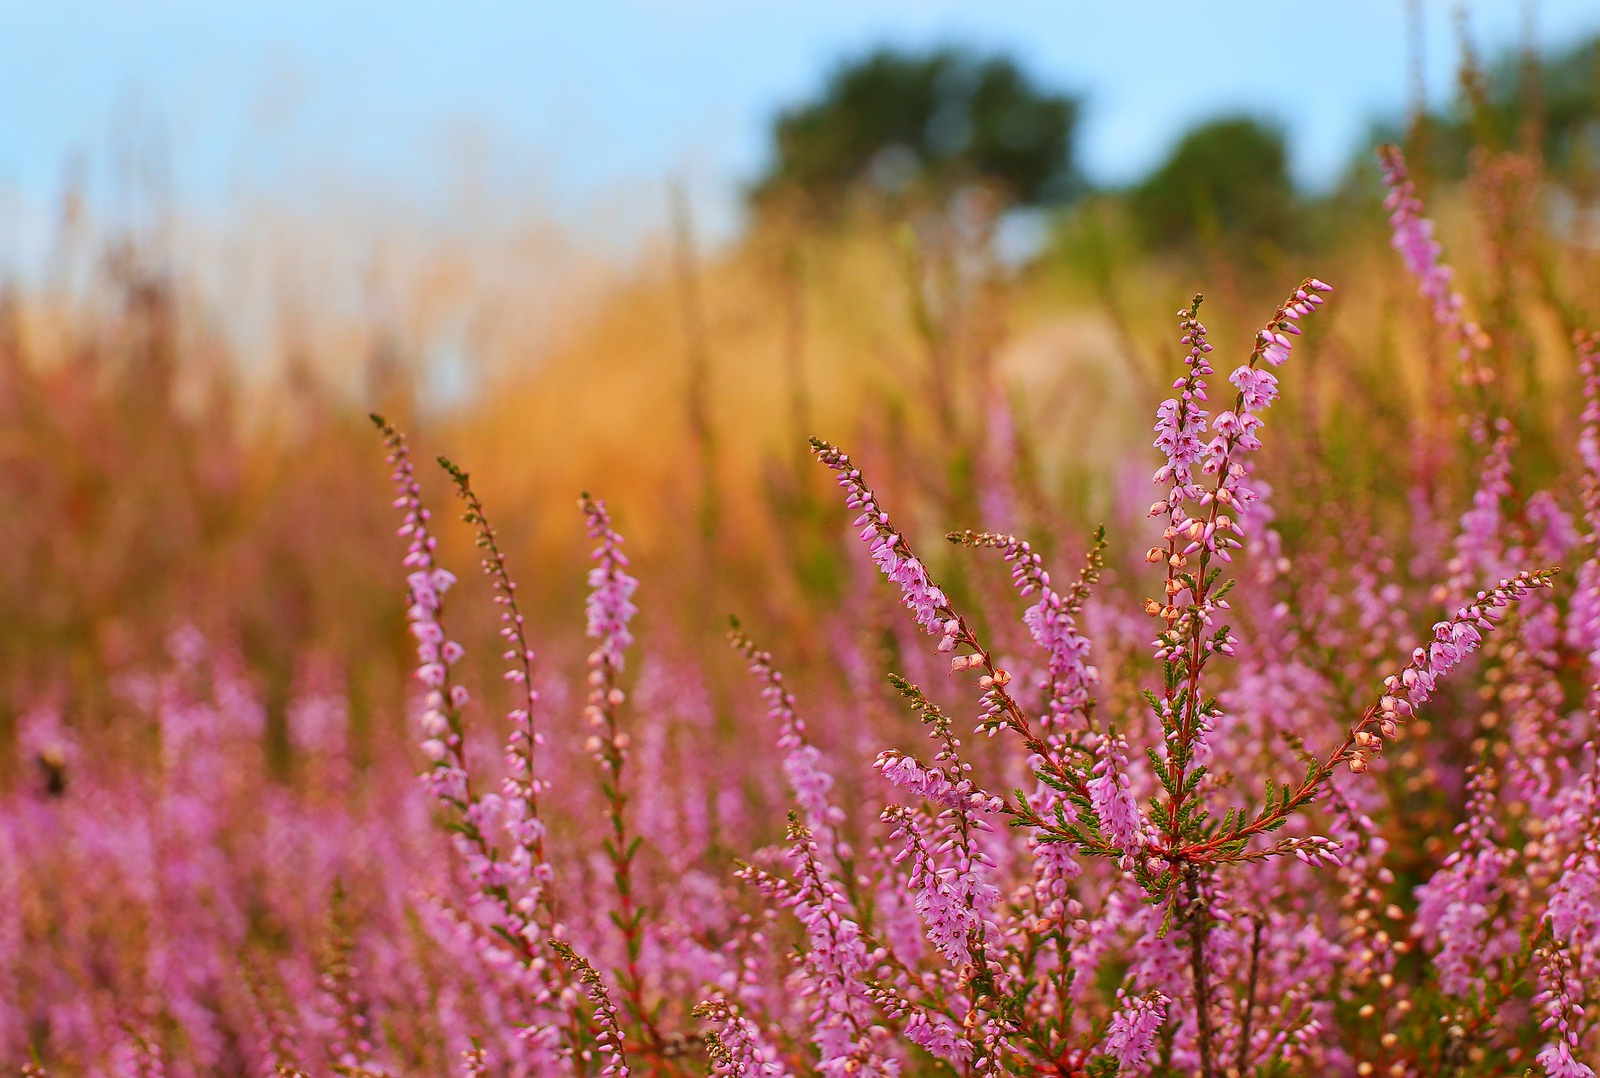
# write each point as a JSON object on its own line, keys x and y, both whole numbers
{"x": 1273, "y": 778}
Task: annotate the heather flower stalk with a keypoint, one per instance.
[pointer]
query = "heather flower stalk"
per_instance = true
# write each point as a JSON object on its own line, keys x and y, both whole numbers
{"x": 522, "y": 821}
{"x": 1133, "y": 1028}
{"x": 736, "y": 1046}
{"x": 1559, "y": 998}
{"x": 835, "y": 966}
{"x": 610, "y": 609}
{"x": 932, "y": 611}
{"x": 1192, "y": 599}
{"x": 802, "y": 763}
{"x": 1454, "y": 639}
{"x": 1111, "y": 796}
{"x": 1412, "y": 236}
{"x": 955, "y": 896}
{"x": 447, "y": 778}
{"x": 1192, "y": 596}
{"x": 609, "y": 1035}
{"x": 1052, "y": 621}
{"x": 441, "y": 721}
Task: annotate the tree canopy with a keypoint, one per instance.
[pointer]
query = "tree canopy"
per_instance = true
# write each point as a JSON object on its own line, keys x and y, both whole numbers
{"x": 1226, "y": 177}
{"x": 901, "y": 123}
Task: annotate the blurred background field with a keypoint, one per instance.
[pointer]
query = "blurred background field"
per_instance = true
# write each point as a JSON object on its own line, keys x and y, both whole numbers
{"x": 221, "y": 253}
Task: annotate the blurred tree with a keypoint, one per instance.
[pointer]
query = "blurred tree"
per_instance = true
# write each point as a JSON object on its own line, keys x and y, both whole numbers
{"x": 1226, "y": 178}
{"x": 923, "y": 125}
{"x": 1519, "y": 99}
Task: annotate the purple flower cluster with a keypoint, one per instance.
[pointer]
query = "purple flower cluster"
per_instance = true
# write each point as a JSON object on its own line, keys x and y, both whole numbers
{"x": 1052, "y": 622}
{"x": 1134, "y": 1027}
{"x": 441, "y": 722}
{"x": 1559, "y": 997}
{"x": 809, "y": 780}
{"x": 1111, "y": 795}
{"x": 835, "y": 965}
{"x": 889, "y": 551}
{"x": 1412, "y": 235}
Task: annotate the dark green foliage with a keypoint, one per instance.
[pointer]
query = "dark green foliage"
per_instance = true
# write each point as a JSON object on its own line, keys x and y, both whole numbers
{"x": 927, "y": 123}
{"x": 1552, "y": 101}
{"x": 1228, "y": 178}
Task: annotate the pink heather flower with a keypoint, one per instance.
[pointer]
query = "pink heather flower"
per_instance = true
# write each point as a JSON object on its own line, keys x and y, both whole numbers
{"x": 1574, "y": 905}
{"x": 932, "y": 784}
{"x": 1258, "y": 387}
{"x": 446, "y": 779}
{"x": 610, "y": 609}
{"x": 1111, "y": 795}
{"x": 1133, "y": 1028}
{"x": 610, "y": 604}
{"x": 936, "y": 1034}
{"x": 608, "y": 1036}
{"x": 1454, "y": 907}
{"x": 1453, "y": 641}
{"x": 1180, "y": 420}
{"x": 888, "y": 549}
{"x": 955, "y": 898}
{"x": 740, "y": 1049}
{"x": 802, "y": 763}
{"x": 1052, "y": 621}
{"x": 1054, "y": 628}
{"x": 1559, "y": 997}
{"x": 835, "y": 965}
{"x": 1412, "y": 236}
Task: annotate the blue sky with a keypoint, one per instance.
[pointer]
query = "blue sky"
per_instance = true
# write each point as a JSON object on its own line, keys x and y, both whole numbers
{"x": 586, "y": 106}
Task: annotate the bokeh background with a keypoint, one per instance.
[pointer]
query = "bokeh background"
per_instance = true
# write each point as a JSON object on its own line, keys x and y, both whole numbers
{"x": 645, "y": 249}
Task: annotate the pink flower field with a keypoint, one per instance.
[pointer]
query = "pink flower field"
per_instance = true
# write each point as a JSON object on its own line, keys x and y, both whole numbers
{"x": 1265, "y": 742}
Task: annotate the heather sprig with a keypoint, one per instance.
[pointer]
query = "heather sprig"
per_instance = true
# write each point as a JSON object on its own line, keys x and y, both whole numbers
{"x": 610, "y": 609}
{"x": 1193, "y": 596}
{"x": 809, "y": 780}
{"x": 1412, "y": 236}
{"x": 523, "y": 822}
{"x": 1133, "y": 1028}
{"x": 893, "y": 555}
{"x": 448, "y": 777}
{"x": 1454, "y": 640}
{"x": 835, "y": 967}
{"x": 609, "y": 1038}
{"x": 1052, "y": 621}
{"x": 956, "y": 896}
{"x": 441, "y": 720}
{"x": 1562, "y": 1019}
{"x": 736, "y": 1045}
